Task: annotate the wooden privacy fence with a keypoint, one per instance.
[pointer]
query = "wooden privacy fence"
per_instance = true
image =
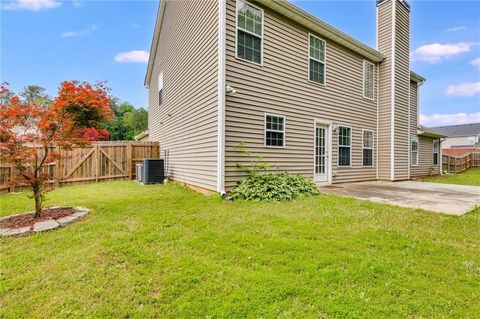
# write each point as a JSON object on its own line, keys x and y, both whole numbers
{"x": 458, "y": 164}
{"x": 97, "y": 162}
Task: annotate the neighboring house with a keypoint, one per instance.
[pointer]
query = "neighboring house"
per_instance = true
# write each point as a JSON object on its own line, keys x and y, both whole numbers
{"x": 310, "y": 98}
{"x": 459, "y": 136}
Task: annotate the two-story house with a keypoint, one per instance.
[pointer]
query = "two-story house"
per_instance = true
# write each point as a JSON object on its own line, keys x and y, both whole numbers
{"x": 310, "y": 98}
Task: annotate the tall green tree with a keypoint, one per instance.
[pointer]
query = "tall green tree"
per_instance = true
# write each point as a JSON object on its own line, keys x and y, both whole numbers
{"x": 129, "y": 121}
{"x": 34, "y": 94}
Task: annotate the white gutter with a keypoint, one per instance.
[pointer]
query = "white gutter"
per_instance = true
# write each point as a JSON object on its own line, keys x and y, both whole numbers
{"x": 222, "y": 25}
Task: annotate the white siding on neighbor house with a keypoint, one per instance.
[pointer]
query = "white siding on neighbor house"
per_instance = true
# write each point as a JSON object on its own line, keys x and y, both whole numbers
{"x": 281, "y": 86}
{"x": 458, "y": 141}
{"x": 186, "y": 123}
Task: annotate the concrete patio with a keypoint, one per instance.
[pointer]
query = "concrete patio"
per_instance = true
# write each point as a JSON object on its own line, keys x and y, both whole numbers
{"x": 440, "y": 198}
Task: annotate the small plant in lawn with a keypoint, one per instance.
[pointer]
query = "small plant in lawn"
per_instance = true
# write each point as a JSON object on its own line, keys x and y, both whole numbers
{"x": 30, "y": 133}
{"x": 264, "y": 185}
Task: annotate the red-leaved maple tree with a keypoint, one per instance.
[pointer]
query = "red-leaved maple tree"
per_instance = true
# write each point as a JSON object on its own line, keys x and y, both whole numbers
{"x": 30, "y": 135}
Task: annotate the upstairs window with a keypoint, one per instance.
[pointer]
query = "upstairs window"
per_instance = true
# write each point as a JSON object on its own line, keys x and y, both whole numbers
{"x": 436, "y": 151}
{"x": 368, "y": 79}
{"x": 344, "y": 146}
{"x": 160, "y": 88}
{"x": 414, "y": 150}
{"x": 367, "y": 148}
{"x": 249, "y": 32}
{"x": 274, "y": 130}
{"x": 316, "y": 66}
{"x": 471, "y": 140}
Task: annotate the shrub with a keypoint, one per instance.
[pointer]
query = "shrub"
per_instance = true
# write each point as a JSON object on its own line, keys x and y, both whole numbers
{"x": 274, "y": 187}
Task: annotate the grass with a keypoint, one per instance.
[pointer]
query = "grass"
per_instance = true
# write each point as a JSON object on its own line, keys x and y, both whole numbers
{"x": 469, "y": 177}
{"x": 168, "y": 252}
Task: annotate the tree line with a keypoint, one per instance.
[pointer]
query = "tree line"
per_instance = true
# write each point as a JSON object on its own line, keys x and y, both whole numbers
{"x": 128, "y": 121}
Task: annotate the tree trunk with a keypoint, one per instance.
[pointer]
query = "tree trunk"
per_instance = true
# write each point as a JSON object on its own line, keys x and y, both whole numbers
{"x": 38, "y": 200}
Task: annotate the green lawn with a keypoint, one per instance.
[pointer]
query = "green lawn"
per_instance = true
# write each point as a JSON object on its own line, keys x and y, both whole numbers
{"x": 168, "y": 252}
{"x": 469, "y": 177}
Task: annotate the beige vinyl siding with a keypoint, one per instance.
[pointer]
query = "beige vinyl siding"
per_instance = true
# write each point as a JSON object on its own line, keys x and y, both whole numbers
{"x": 413, "y": 108}
{"x": 281, "y": 87}
{"x": 413, "y": 114}
{"x": 425, "y": 158}
{"x": 425, "y": 144}
{"x": 402, "y": 91}
{"x": 384, "y": 38}
{"x": 186, "y": 123}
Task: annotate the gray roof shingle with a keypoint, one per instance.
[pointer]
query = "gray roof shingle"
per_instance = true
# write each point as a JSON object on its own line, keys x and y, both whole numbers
{"x": 458, "y": 130}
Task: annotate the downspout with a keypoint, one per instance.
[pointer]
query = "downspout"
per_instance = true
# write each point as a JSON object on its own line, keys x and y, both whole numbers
{"x": 409, "y": 126}
{"x": 221, "y": 96}
{"x": 377, "y": 75}
{"x": 377, "y": 132}
{"x": 441, "y": 155}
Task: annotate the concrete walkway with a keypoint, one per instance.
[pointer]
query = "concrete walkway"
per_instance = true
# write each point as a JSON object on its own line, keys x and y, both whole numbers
{"x": 441, "y": 198}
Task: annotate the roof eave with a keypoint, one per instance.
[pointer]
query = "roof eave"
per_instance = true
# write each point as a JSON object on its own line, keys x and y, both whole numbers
{"x": 426, "y": 133}
{"x": 155, "y": 39}
{"x": 416, "y": 77}
{"x": 318, "y": 26}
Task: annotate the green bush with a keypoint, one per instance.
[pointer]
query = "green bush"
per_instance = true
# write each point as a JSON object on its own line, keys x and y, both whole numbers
{"x": 274, "y": 187}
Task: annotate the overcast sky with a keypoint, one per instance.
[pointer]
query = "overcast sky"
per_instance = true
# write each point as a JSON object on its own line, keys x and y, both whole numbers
{"x": 44, "y": 42}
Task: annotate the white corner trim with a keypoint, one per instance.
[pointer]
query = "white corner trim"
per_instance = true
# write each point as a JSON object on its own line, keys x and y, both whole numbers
{"x": 392, "y": 124}
{"x": 222, "y": 17}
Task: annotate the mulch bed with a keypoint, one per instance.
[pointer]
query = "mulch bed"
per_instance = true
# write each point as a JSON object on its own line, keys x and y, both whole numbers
{"x": 25, "y": 220}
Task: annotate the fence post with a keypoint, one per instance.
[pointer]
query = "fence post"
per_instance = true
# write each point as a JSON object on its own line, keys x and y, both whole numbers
{"x": 96, "y": 157}
{"x": 56, "y": 171}
{"x": 129, "y": 160}
{"x": 10, "y": 176}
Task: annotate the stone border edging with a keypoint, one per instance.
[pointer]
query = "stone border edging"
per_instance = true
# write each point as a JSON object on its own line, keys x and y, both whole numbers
{"x": 49, "y": 224}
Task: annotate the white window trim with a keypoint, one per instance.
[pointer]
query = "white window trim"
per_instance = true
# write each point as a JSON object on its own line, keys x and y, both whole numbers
{"x": 324, "y": 62}
{"x": 365, "y": 62}
{"x": 246, "y": 31}
{"x": 369, "y": 148}
{"x": 278, "y": 131}
{"x": 437, "y": 152}
{"x": 338, "y": 146}
{"x": 471, "y": 140}
{"x": 414, "y": 138}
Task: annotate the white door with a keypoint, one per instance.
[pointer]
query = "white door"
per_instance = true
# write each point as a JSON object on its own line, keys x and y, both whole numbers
{"x": 321, "y": 153}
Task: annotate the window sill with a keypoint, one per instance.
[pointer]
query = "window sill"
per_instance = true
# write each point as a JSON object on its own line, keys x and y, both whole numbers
{"x": 317, "y": 84}
{"x": 368, "y": 99}
{"x": 249, "y": 62}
